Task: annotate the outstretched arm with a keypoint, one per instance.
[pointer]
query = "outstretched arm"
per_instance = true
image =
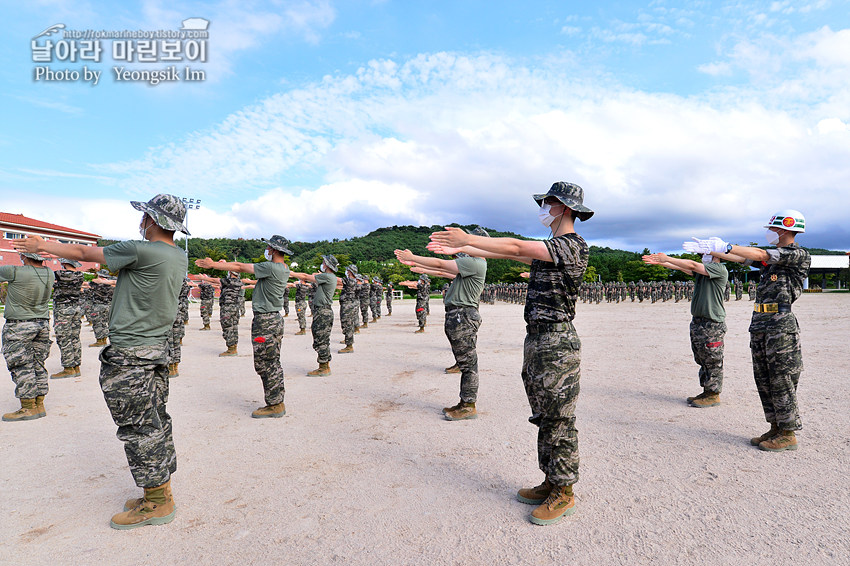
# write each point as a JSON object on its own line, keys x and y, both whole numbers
{"x": 433, "y": 272}
{"x": 208, "y": 263}
{"x": 306, "y": 277}
{"x": 497, "y": 248}
{"x": 407, "y": 257}
{"x": 686, "y": 265}
{"x": 37, "y": 244}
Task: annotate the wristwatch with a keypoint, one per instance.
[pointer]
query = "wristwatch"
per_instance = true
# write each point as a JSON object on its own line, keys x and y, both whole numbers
{"x": 728, "y": 248}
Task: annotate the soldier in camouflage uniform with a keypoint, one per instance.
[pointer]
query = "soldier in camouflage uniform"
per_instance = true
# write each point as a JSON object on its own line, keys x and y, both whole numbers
{"x": 311, "y": 293}
{"x": 228, "y": 311}
{"x": 101, "y": 295}
{"x": 271, "y": 278}
{"x": 67, "y": 315}
{"x": 462, "y": 317}
{"x": 390, "y": 289}
{"x": 363, "y": 292}
{"x": 323, "y": 315}
{"x": 552, "y": 351}
{"x": 774, "y": 331}
{"x": 708, "y": 325}
{"x": 376, "y": 290}
{"x": 348, "y": 305}
{"x": 26, "y": 333}
{"x": 178, "y": 329}
{"x": 301, "y": 307}
{"x": 133, "y": 374}
{"x": 207, "y": 298}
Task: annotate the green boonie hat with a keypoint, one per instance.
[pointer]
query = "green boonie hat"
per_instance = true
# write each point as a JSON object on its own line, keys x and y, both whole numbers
{"x": 571, "y": 195}
{"x": 32, "y": 256}
{"x": 352, "y": 269}
{"x": 279, "y": 243}
{"x": 167, "y": 211}
{"x": 331, "y": 262}
{"x": 71, "y": 262}
{"x": 479, "y": 231}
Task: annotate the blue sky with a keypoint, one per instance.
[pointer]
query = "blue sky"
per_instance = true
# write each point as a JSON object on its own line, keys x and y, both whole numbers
{"x": 321, "y": 119}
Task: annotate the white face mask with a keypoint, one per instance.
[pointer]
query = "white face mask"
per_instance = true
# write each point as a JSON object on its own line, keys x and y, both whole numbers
{"x": 772, "y": 237}
{"x": 267, "y": 254}
{"x": 543, "y": 215}
{"x": 142, "y": 229}
{"x": 707, "y": 258}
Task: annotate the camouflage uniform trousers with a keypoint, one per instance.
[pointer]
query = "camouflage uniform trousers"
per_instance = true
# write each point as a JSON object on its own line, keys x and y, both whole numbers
{"x": 364, "y": 310}
{"x": 175, "y": 348}
{"x": 348, "y": 318}
{"x": 286, "y": 303}
{"x": 206, "y": 310}
{"x": 100, "y": 320}
{"x": 26, "y": 345}
{"x": 134, "y": 381}
{"x": 421, "y": 313}
{"x": 266, "y": 338}
{"x": 301, "y": 313}
{"x": 461, "y": 328}
{"x": 67, "y": 324}
{"x": 375, "y": 307}
{"x": 550, "y": 374}
{"x": 777, "y": 364}
{"x": 323, "y": 321}
{"x": 389, "y": 302}
{"x": 707, "y": 346}
{"x": 242, "y": 304}
{"x": 228, "y": 317}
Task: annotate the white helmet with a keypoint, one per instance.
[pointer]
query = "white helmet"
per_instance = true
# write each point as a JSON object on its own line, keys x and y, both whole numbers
{"x": 788, "y": 219}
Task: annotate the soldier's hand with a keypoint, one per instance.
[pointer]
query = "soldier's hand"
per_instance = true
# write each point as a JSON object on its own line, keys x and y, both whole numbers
{"x": 31, "y": 244}
{"x": 452, "y": 237}
{"x": 404, "y": 256}
{"x": 441, "y": 249}
{"x": 204, "y": 263}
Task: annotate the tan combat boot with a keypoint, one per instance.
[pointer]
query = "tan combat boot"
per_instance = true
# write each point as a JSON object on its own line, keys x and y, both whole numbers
{"x": 374, "y": 319}
{"x": 155, "y": 508}
{"x": 39, "y": 405}
{"x": 461, "y": 411}
{"x": 231, "y": 351}
{"x": 707, "y": 400}
{"x": 67, "y": 372}
{"x": 99, "y": 342}
{"x": 27, "y": 412}
{"x": 774, "y": 430}
{"x": 206, "y": 327}
{"x": 453, "y": 369}
{"x": 364, "y": 325}
{"x": 77, "y": 371}
{"x": 420, "y": 331}
{"x": 172, "y": 370}
{"x": 783, "y": 440}
{"x": 558, "y": 505}
{"x": 535, "y": 495}
{"x": 323, "y": 369}
{"x": 301, "y": 332}
{"x": 131, "y": 503}
{"x": 185, "y": 322}
{"x": 270, "y": 412}
{"x": 346, "y": 350}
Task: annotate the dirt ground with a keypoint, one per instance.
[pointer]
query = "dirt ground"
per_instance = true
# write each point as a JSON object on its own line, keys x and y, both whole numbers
{"x": 363, "y": 469}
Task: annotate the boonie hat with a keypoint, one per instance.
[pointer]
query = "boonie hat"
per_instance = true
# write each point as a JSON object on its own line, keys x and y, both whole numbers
{"x": 32, "y": 256}
{"x": 71, "y": 262}
{"x": 571, "y": 195}
{"x": 279, "y": 243}
{"x": 167, "y": 211}
{"x": 331, "y": 262}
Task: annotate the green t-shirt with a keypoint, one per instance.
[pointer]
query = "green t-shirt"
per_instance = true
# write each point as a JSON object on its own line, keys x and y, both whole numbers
{"x": 465, "y": 290}
{"x": 28, "y": 293}
{"x": 144, "y": 304}
{"x": 271, "y": 285}
{"x": 325, "y": 287}
{"x": 709, "y": 292}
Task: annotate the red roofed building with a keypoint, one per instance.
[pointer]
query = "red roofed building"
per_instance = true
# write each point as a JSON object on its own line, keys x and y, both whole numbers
{"x": 17, "y": 226}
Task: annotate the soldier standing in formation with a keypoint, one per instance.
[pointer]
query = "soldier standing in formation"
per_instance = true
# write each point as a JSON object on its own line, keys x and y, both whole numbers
{"x": 101, "y": 297}
{"x": 552, "y": 350}
{"x": 708, "y": 325}
{"x": 348, "y": 305}
{"x": 364, "y": 292}
{"x": 207, "y": 297}
{"x": 390, "y": 289}
{"x": 301, "y": 306}
{"x": 774, "y": 331}
{"x": 323, "y": 315}
{"x": 26, "y": 332}
{"x": 67, "y": 316}
{"x": 270, "y": 282}
{"x": 178, "y": 329}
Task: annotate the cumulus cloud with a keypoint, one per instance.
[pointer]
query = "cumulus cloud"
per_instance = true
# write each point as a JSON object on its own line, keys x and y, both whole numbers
{"x": 442, "y": 138}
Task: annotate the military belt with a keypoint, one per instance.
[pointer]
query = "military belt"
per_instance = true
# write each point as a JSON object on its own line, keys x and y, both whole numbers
{"x": 544, "y": 328}
{"x": 771, "y": 307}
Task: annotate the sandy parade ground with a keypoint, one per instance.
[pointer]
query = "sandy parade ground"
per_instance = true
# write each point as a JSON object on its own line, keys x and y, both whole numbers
{"x": 363, "y": 469}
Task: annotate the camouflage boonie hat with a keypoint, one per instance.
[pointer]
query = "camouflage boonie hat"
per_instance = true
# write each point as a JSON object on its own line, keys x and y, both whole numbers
{"x": 571, "y": 195}
{"x": 376, "y": 279}
{"x": 71, "y": 262}
{"x": 331, "y": 262}
{"x": 167, "y": 211}
{"x": 32, "y": 256}
{"x": 279, "y": 243}
{"x": 479, "y": 231}
{"x": 352, "y": 269}
{"x": 424, "y": 277}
